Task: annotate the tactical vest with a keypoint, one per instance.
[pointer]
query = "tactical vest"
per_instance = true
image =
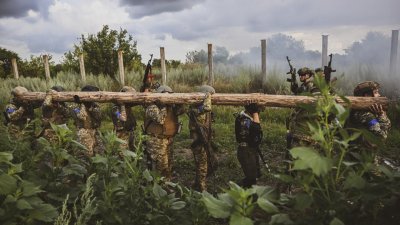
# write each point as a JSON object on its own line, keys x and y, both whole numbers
{"x": 168, "y": 129}
{"x": 247, "y": 131}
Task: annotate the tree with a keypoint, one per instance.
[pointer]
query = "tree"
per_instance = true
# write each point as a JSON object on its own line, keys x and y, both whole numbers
{"x": 5, "y": 62}
{"x": 101, "y": 52}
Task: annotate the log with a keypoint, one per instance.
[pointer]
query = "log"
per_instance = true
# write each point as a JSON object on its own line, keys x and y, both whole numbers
{"x": 285, "y": 101}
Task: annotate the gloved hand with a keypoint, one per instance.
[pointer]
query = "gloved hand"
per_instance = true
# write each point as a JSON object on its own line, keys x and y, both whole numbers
{"x": 253, "y": 108}
{"x": 159, "y": 103}
{"x": 77, "y": 99}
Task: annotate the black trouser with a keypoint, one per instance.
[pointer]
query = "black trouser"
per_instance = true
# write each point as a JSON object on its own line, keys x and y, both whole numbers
{"x": 248, "y": 159}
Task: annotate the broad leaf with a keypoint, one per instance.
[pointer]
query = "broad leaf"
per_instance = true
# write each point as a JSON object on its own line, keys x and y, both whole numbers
{"x": 237, "y": 219}
{"x": 23, "y": 204}
{"x": 354, "y": 181}
{"x": 215, "y": 207}
{"x": 281, "y": 219}
{"x": 267, "y": 206}
{"x": 147, "y": 175}
{"x": 178, "y": 205}
{"x": 8, "y": 184}
{"x": 336, "y": 221}
{"x": 309, "y": 158}
{"x": 43, "y": 212}
{"x": 99, "y": 159}
{"x": 29, "y": 189}
{"x": 158, "y": 191}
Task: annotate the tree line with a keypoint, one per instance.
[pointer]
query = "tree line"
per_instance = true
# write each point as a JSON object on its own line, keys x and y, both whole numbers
{"x": 100, "y": 51}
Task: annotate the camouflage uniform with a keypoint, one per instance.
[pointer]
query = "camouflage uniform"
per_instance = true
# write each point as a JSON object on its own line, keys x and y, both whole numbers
{"x": 124, "y": 124}
{"x": 161, "y": 124}
{"x": 200, "y": 118}
{"x": 20, "y": 116}
{"x": 53, "y": 112}
{"x": 248, "y": 136}
{"x": 298, "y": 131}
{"x": 378, "y": 124}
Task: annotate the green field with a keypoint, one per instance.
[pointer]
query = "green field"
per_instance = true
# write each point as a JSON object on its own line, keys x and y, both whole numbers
{"x": 123, "y": 192}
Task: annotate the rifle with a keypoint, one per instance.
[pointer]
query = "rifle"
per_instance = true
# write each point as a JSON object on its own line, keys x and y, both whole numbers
{"x": 6, "y": 119}
{"x": 262, "y": 158}
{"x": 328, "y": 70}
{"x": 292, "y": 80}
{"x": 148, "y": 77}
{"x": 205, "y": 136}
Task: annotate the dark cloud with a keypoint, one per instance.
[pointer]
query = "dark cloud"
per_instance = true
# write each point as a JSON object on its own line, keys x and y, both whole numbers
{"x": 141, "y": 8}
{"x": 19, "y": 8}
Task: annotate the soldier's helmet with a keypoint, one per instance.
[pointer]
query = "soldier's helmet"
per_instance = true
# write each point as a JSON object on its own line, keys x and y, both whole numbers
{"x": 365, "y": 87}
{"x": 57, "y": 88}
{"x": 164, "y": 89}
{"x": 305, "y": 70}
{"x": 127, "y": 89}
{"x": 90, "y": 88}
{"x": 18, "y": 90}
{"x": 206, "y": 89}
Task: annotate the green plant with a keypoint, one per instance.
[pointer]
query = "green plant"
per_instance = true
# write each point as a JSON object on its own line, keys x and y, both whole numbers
{"x": 20, "y": 201}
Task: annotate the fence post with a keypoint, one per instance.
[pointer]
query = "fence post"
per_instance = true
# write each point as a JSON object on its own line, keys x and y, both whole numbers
{"x": 393, "y": 52}
{"x": 210, "y": 66}
{"x": 15, "y": 68}
{"x": 264, "y": 60}
{"x": 324, "y": 51}
{"x": 82, "y": 68}
{"x": 46, "y": 66}
{"x": 163, "y": 68}
{"x": 121, "y": 68}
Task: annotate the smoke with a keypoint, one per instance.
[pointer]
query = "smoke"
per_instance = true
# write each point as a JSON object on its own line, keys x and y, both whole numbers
{"x": 367, "y": 59}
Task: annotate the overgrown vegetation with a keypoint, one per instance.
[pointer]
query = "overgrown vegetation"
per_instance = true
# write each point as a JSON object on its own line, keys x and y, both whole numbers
{"x": 328, "y": 187}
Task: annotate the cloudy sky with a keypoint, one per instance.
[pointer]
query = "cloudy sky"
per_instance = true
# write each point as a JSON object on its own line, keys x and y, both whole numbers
{"x": 34, "y": 27}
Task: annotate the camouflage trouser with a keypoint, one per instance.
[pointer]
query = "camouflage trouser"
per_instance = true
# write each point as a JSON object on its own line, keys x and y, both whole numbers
{"x": 128, "y": 137}
{"x": 90, "y": 138}
{"x": 160, "y": 156}
{"x": 248, "y": 159}
{"x": 200, "y": 160}
{"x": 50, "y": 135}
{"x": 19, "y": 132}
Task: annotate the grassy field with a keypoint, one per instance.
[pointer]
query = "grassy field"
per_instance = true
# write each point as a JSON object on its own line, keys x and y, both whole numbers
{"x": 273, "y": 146}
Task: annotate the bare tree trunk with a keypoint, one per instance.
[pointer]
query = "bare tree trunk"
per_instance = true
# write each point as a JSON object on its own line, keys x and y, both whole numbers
{"x": 285, "y": 101}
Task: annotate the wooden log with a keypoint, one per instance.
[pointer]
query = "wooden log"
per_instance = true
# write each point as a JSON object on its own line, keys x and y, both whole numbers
{"x": 285, "y": 101}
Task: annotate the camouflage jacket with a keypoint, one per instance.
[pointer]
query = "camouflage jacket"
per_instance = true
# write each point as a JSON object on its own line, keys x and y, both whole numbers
{"x": 202, "y": 112}
{"x": 156, "y": 119}
{"x": 57, "y": 113}
{"x": 19, "y": 114}
{"x": 305, "y": 87}
{"x": 88, "y": 117}
{"x": 378, "y": 125}
{"x": 297, "y": 121}
{"x": 123, "y": 118}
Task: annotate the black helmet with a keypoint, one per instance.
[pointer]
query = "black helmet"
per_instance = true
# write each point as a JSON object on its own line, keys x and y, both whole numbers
{"x": 90, "y": 88}
{"x": 57, "y": 88}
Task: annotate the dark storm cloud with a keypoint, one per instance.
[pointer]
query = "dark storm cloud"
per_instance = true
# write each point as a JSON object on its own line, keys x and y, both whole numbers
{"x": 141, "y": 8}
{"x": 214, "y": 17}
{"x": 19, "y": 8}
